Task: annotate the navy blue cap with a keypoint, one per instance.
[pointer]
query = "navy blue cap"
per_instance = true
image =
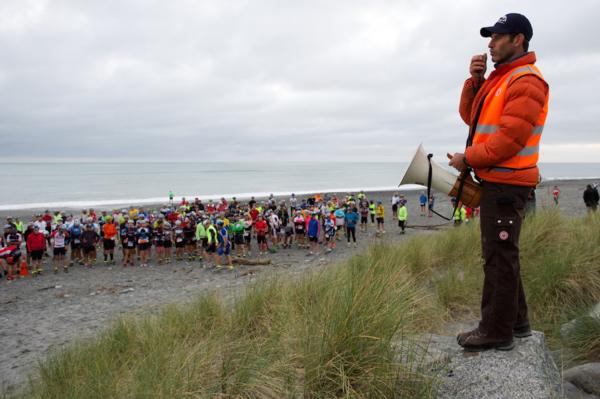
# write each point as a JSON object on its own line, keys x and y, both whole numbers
{"x": 510, "y": 23}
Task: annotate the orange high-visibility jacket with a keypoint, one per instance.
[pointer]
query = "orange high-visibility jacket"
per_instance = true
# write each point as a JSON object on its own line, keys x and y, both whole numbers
{"x": 505, "y": 145}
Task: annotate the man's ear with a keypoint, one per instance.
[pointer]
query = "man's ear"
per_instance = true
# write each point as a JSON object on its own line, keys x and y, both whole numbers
{"x": 518, "y": 40}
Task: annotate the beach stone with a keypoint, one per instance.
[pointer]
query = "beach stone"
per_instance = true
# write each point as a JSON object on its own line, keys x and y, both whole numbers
{"x": 585, "y": 377}
{"x": 527, "y": 371}
{"x": 570, "y": 391}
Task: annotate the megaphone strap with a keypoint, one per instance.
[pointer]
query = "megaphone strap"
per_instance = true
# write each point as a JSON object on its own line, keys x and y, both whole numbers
{"x": 461, "y": 184}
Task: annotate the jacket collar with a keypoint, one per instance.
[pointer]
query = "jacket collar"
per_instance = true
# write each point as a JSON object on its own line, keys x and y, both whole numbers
{"x": 525, "y": 59}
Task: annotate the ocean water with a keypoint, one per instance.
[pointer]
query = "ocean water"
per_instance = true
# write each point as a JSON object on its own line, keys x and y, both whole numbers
{"x": 75, "y": 185}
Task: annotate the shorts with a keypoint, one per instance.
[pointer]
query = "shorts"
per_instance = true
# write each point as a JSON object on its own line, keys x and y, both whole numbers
{"x": 313, "y": 239}
{"x": 364, "y": 219}
{"x": 379, "y": 220}
{"x": 167, "y": 244}
{"x": 248, "y": 239}
{"x": 59, "y": 251}
{"x": 204, "y": 242}
{"x": 144, "y": 246}
{"x": 190, "y": 241}
{"x": 179, "y": 244}
{"x": 75, "y": 245}
{"x": 88, "y": 250}
{"x": 224, "y": 250}
{"x": 212, "y": 248}
{"x": 394, "y": 207}
{"x": 289, "y": 231}
{"x": 37, "y": 255}
{"x": 238, "y": 239}
{"x": 329, "y": 237}
{"x": 299, "y": 232}
{"x": 261, "y": 239}
{"x": 108, "y": 244}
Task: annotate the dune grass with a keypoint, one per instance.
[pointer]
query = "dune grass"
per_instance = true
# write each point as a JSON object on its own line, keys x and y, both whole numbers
{"x": 333, "y": 333}
{"x": 584, "y": 339}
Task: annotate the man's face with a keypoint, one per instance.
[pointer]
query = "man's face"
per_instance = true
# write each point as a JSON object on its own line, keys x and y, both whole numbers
{"x": 502, "y": 47}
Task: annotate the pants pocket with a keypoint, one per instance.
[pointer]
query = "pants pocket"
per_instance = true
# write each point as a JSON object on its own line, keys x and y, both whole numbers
{"x": 505, "y": 229}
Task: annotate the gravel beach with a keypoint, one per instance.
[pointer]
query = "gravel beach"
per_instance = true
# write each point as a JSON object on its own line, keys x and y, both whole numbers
{"x": 38, "y": 315}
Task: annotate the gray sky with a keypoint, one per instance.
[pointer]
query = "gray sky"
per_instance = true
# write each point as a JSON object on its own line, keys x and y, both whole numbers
{"x": 273, "y": 80}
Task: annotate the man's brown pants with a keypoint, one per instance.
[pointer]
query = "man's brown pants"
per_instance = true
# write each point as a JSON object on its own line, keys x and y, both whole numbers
{"x": 503, "y": 305}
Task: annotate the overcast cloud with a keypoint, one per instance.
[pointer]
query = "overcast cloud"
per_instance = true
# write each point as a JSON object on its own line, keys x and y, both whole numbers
{"x": 273, "y": 80}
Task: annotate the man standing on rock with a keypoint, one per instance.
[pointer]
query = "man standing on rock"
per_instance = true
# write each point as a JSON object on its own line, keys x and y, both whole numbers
{"x": 506, "y": 114}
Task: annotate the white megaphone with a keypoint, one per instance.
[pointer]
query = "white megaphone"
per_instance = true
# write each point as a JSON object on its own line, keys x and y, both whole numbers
{"x": 442, "y": 179}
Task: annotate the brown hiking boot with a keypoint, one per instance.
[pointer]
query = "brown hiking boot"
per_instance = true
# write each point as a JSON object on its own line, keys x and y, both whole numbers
{"x": 476, "y": 341}
{"x": 462, "y": 336}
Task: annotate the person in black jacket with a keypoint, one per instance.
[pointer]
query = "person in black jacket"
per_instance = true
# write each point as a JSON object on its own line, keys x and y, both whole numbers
{"x": 591, "y": 197}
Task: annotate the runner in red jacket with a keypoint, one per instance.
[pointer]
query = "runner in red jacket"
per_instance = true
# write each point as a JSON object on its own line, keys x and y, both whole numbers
{"x": 36, "y": 245}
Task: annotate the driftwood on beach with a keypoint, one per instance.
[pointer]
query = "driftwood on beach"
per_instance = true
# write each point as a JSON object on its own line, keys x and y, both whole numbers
{"x": 253, "y": 262}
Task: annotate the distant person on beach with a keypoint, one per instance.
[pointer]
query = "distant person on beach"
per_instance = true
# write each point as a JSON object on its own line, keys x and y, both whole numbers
{"x": 109, "y": 239}
{"x": 506, "y": 114}
{"x": 313, "y": 232}
{"x": 591, "y": 198}
{"x": 431, "y": 205}
{"x": 223, "y": 246}
{"x": 299, "y": 229}
{"x": 395, "y": 202}
{"x": 36, "y": 244}
{"x": 12, "y": 239}
{"x": 89, "y": 239}
{"x": 402, "y": 217}
{"x": 555, "y": 194}
{"x": 179, "y": 237}
{"x": 372, "y": 210}
{"x": 351, "y": 222}
{"x": 330, "y": 230}
{"x": 143, "y": 242}
{"x": 158, "y": 240}
{"x": 261, "y": 228}
{"x": 58, "y": 240}
{"x": 364, "y": 215}
{"x": 293, "y": 203}
{"x": 75, "y": 232}
{"x": 189, "y": 234}
{"x": 237, "y": 232}
{"x": 423, "y": 203}
{"x": 340, "y": 217}
{"x": 380, "y": 215}
{"x": 531, "y": 202}
{"x": 129, "y": 239}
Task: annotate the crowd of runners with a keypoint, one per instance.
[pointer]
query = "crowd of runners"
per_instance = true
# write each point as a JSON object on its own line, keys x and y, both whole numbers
{"x": 190, "y": 231}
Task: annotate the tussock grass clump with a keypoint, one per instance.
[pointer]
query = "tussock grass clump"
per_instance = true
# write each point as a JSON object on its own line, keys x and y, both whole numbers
{"x": 584, "y": 339}
{"x": 332, "y": 334}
